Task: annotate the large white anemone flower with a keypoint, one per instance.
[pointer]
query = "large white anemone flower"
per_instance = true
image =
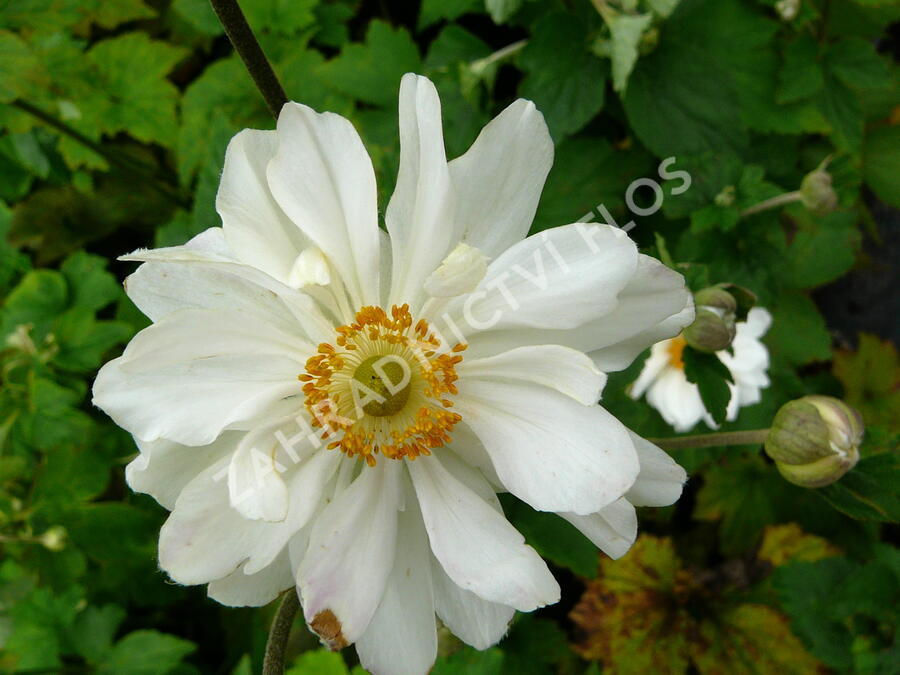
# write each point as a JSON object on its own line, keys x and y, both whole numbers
{"x": 667, "y": 388}
{"x": 326, "y": 405}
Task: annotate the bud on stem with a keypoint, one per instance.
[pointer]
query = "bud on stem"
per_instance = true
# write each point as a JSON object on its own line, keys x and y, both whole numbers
{"x": 815, "y": 440}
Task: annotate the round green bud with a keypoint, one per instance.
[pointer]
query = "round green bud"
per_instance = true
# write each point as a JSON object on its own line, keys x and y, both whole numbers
{"x": 54, "y": 538}
{"x": 816, "y": 191}
{"x": 815, "y": 440}
{"x": 714, "y": 325}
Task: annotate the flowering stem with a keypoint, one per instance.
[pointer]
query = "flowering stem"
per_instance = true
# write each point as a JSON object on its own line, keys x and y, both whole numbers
{"x": 481, "y": 65}
{"x": 273, "y": 663}
{"x": 772, "y": 203}
{"x": 245, "y": 44}
{"x": 754, "y": 437}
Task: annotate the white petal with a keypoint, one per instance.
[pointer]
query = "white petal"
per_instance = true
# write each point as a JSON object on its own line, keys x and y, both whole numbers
{"x": 163, "y": 468}
{"x": 661, "y": 479}
{"x": 419, "y": 216}
{"x": 253, "y": 590}
{"x": 654, "y": 366}
{"x": 613, "y": 529}
{"x": 402, "y": 636}
{"x": 654, "y": 305}
{"x": 550, "y": 451}
{"x": 676, "y": 399}
{"x": 498, "y": 182}
{"x": 205, "y": 538}
{"x": 191, "y": 375}
{"x": 310, "y": 268}
{"x": 255, "y": 487}
{"x": 460, "y": 272}
{"x": 181, "y": 277}
{"x": 568, "y": 371}
{"x": 256, "y": 228}
{"x": 559, "y": 278}
{"x": 475, "y": 621}
{"x": 478, "y": 548}
{"x": 350, "y": 555}
{"x": 323, "y": 179}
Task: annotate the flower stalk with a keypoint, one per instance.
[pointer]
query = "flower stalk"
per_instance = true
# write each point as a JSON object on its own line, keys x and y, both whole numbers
{"x": 773, "y": 203}
{"x": 714, "y": 440}
{"x": 273, "y": 662}
{"x": 246, "y": 45}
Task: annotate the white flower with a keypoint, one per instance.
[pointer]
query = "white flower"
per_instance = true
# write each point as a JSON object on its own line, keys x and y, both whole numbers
{"x": 678, "y": 401}
{"x": 491, "y": 384}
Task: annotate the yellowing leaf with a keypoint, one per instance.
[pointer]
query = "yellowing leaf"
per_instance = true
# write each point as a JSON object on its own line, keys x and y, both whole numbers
{"x": 871, "y": 379}
{"x": 786, "y": 543}
{"x": 648, "y": 613}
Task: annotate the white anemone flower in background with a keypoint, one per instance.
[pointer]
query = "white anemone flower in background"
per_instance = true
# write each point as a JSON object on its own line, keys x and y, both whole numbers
{"x": 667, "y": 389}
{"x": 326, "y": 405}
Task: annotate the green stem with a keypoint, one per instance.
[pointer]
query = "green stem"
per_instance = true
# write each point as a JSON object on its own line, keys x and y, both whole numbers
{"x": 481, "y": 65}
{"x": 273, "y": 663}
{"x": 772, "y": 203}
{"x": 137, "y": 169}
{"x": 715, "y": 439}
{"x": 245, "y": 44}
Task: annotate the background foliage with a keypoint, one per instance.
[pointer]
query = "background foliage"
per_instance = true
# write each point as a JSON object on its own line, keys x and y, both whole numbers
{"x": 745, "y": 574}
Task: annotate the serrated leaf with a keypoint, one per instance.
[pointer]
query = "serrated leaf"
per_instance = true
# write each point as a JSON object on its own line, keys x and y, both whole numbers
{"x": 318, "y": 662}
{"x": 93, "y": 631}
{"x": 712, "y": 378}
{"x": 563, "y": 78}
{"x": 881, "y": 163}
{"x": 626, "y": 31}
{"x": 871, "y": 379}
{"x": 468, "y": 661}
{"x": 798, "y": 334}
{"x": 823, "y": 249}
{"x": 433, "y": 11}
{"x": 869, "y": 490}
{"x": 783, "y": 544}
{"x": 371, "y": 71}
{"x": 91, "y": 286}
{"x": 502, "y": 10}
{"x": 801, "y": 74}
{"x": 145, "y": 652}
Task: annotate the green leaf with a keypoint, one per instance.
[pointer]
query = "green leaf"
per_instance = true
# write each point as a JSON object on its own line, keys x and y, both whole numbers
{"x": 841, "y": 108}
{"x": 739, "y": 493}
{"x": 712, "y": 378}
{"x": 468, "y": 661}
{"x": 91, "y": 286}
{"x": 798, "y": 334}
{"x": 200, "y": 15}
{"x": 536, "y": 646}
{"x": 855, "y": 62}
{"x": 371, "y": 72}
{"x": 553, "y": 537}
{"x": 38, "y": 299}
{"x": 563, "y": 78}
{"x": 869, "y": 490}
{"x": 145, "y": 652}
{"x": 680, "y": 100}
{"x": 83, "y": 341}
{"x": 871, "y": 379}
{"x": 502, "y": 10}
{"x": 318, "y": 662}
{"x": 626, "y": 30}
{"x": 16, "y": 61}
{"x": 433, "y": 11}
{"x": 286, "y": 17}
{"x": 881, "y": 163}
{"x": 94, "y": 629}
{"x": 801, "y": 74}
{"x": 133, "y": 93}
{"x": 823, "y": 249}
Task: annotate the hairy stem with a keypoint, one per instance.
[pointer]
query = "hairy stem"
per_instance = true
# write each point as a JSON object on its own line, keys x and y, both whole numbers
{"x": 273, "y": 664}
{"x": 481, "y": 65}
{"x": 245, "y": 44}
{"x": 138, "y": 169}
{"x": 716, "y": 439}
{"x": 773, "y": 203}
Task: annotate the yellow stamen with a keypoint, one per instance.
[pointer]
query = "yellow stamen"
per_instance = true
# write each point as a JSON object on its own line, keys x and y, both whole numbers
{"x": 383, "y": 389}
{"x": 676, "y": 349}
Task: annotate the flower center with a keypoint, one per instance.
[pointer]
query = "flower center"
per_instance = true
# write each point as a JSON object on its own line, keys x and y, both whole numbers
{"x": 384, "y": 386}
{"x": 676, "y": 349}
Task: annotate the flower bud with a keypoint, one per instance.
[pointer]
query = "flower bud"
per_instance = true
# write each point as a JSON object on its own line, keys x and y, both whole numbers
{"x": 54, "y": 538}
{"x": 787, "y": 9}
{"x": 816, "y": 192}
{"x": 714, "y": 326}
{"x": 815, "y": 440}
